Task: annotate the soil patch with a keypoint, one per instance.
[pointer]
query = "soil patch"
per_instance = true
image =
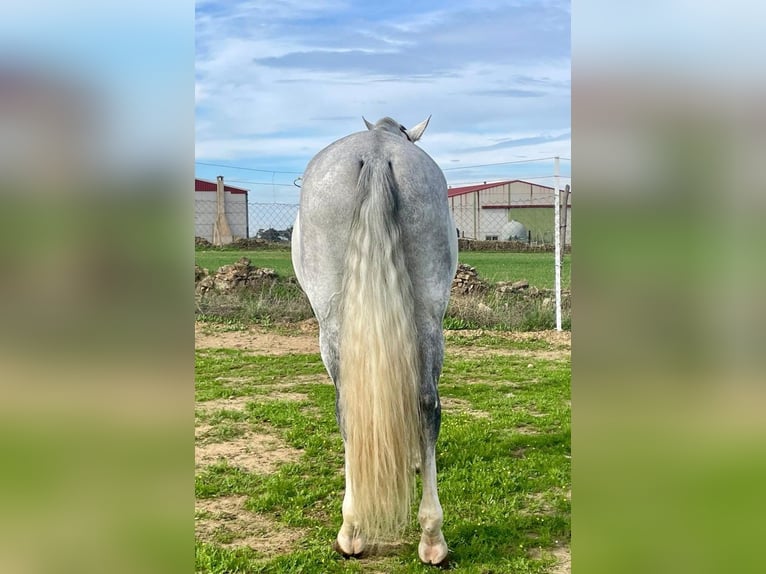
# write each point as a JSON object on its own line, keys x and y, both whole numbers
{"x": 237, "y": 404}
{"x": 453, "y": 405}
{"x": 467, "y": 343}
{"x": 305, "y": 341}
{"x": 253, "y": 452}
{"x": 227, "y": 522}
{"x": 256, "y": 340}
{"x": 475, "y": 351}
{"x": 280, "y": 396}
{"x": 525, "y": 429}
{"x": 561, "y": 554}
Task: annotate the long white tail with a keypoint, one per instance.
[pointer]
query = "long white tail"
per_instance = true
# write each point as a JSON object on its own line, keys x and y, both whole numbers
{"x": 379, "y": 362}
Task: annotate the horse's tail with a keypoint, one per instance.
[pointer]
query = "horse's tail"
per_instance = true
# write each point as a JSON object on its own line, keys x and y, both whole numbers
{"x": 379, "y": 362}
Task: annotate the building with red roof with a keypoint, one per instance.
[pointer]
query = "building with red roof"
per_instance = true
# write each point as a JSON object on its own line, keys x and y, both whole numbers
{"x": 486, "y": 211}
{"x": 206, "y": 209}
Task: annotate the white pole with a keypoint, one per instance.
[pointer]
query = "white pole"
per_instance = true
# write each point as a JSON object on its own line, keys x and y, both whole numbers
{"x": 557, "y": 240}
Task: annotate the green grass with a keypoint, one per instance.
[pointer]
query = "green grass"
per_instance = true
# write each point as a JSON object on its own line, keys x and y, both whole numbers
{"x": 504, "y": 477}
{"x": 536, "y": 268}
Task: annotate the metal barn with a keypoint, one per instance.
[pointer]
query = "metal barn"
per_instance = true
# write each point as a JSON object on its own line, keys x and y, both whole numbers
{"x": 483, "y": 211}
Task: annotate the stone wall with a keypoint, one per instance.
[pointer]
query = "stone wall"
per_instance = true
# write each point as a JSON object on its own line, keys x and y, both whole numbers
{"x": 242, "y": 275}
{"x": 239, "y": 275}
{"x": 511, "y": 246}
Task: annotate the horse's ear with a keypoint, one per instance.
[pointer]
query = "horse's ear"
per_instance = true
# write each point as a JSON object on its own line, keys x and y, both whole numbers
{"x": 368, "y": 124}
{"x": 415, "y": 133}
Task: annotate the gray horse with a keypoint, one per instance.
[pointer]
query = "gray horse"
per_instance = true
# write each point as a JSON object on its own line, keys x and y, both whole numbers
{"x": 374, "y": 247}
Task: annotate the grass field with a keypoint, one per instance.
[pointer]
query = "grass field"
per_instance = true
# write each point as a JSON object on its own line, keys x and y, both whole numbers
{"x": 537, "y": 268}
{"x": 269, "y": 458}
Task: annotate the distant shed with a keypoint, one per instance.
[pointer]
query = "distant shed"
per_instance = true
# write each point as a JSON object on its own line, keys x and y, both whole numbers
{"x": 483, "y": 211}
{"x": 205, "y": 209}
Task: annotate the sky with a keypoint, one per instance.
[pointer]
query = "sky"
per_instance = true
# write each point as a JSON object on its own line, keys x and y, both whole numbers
{"x": 277, "y": 81}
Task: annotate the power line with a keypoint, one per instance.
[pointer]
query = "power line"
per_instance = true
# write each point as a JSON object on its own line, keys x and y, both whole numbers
{"x": 499, "y": 163}
{"x": 443, "y": 169}
{"x": 246, "y": 168}
{"x": 527, "y": 178}
{"x": 258, "y": 182}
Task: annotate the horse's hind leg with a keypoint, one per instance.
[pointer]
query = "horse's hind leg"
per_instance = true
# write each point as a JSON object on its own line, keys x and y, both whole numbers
{"x": 432, "y": 548}
{"x": 349, "y": 541}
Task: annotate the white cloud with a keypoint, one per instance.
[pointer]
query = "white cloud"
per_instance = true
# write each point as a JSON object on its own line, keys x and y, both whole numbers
{"x": 266, "y": 80}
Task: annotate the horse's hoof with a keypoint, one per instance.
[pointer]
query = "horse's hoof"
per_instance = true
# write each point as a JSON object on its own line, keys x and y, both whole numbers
{"x": 346, "y": 555}
{"x": 434, "y": 554}
{"x": 443, "y": 564}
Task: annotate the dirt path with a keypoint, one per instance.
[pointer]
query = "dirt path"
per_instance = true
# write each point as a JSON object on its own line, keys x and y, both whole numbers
{"x": 258, "y": 340}
{"x": 304, "y": 339}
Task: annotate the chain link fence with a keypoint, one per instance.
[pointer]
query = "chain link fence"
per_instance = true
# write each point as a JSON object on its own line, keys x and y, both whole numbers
{"x": 257, "y": 217}
{"x": 206, "y": 213}
{"x": 272, "y": 221}
{"x": 479, "y": 223}
{"x": 492, "y": 224}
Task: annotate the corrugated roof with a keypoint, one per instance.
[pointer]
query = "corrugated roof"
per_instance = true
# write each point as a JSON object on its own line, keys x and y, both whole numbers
{"x": 205, "y": 185}
{"x": 453, "y": 191}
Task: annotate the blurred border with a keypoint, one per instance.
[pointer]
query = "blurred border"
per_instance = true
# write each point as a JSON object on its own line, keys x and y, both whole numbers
{"x": 96, "y": 338}
{"x": 96, "y": 327}
{"x": 668, "y": 363}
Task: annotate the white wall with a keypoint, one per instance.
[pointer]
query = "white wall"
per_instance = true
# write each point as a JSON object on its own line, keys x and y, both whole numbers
{"x": 205, "y": 213}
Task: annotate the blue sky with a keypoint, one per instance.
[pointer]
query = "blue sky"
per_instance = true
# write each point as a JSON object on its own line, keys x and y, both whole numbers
{"x": 277, "y": 81}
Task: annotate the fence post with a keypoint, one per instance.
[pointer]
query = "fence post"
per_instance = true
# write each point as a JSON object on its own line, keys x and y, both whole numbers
{"x": 565, "y": 204}
{"x": 247, "y": 214}
{"x": 557, "y": 240}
